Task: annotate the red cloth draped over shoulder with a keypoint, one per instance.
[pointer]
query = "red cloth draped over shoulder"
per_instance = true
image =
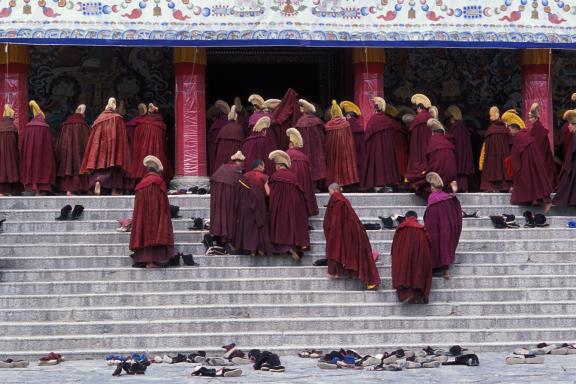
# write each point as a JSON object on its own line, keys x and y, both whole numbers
{"x": 149, "y": 139}
{"x": 284, "y": 116}
{"x": 443, "y": 222}
{"x": 540, "y": 134}
{"x": 379, "y": 166}
{"x": 401, "y": 146}
{"x": 228, "y": 142}
{"x": 340, "y": 153}
{"x": 107, "y": 145}
{"x": 419, "y": 136}
{"x": 411, "y": 260}
{"x": 347, "y": 245}
{"x": 528, "y": 167}
{"x": 288, "y": 211}
{"x": 301, "y": 168}
{"x": 9, "y": 156}
{"x": 37, "y": 163}
{"x": 566, "y": 195}
{"x": 497, "y": 149}
{"x": 71, "y": 145}
{"x": 257, "y": 147}
{"x": 359, "y": 145}
{"x": 223, "y": 200}
{"x": 151, "y": 221}
{"x": 311, "y": 127}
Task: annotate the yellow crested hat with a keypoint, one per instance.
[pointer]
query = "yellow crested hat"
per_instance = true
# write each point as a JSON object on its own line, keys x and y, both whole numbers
{"x": 335, "y": 110}
{"x": 232, "y": 115}
{"x": 271, "y": 103}
{"x": 222, "y": 106}
{"x": 280, "y": 157}
{"x": 238, "y": 156}
{"x": 153, "y": 162}
{"x": 434, "y": 180}
{"x": 306, "y": 106}
{"x": 420, "y": 99}
{"x": 295, "y": 137}
{"x": 494, "y": 113}
{"x": 380, "y": 102}
{"x": 570, "y": 116}
{"x": 435, "y": 125}
{"x": 35, "y": 108}
{"x": 454, "y": 112}
{"x": 348, "y": 106}
{"x": 262, "y": 124}
{"x": 391, "y": 110}
{"x": 510, "y": 117}
{"x": 8, "y": 111}
{"x": 256, "y": 100}
{"x": 535, "y": 110}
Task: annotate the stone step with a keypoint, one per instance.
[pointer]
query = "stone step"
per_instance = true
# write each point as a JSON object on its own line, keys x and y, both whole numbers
{"x": 95, "y": 202}
{"x": 317, "y": 248}
{"x": 234, "y": 272}
{"x": 157, "y": 282}
{"x": 255, "y": 311}
{"x": 344, "y": 336}
{"x": 168, "y": 299}
{"x": 118, "y": 261}
{"x": 281, "y": 324}
{"x": 361, "y": 211}
{"x": 183, "y": 224}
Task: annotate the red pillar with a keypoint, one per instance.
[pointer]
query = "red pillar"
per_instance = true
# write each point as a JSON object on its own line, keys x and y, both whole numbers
{"x": 14, "y": 81}
{"x": 537, "y": 87}
{"x": 190, "y": 107}
{"x": 368, "y": 78}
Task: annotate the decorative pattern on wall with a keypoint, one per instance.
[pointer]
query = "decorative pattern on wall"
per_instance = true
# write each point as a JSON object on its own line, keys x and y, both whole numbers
{"x": 322, "y": 22}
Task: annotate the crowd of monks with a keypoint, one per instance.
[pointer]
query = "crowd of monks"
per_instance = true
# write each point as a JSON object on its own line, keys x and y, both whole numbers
{"x": 106, "y": 157}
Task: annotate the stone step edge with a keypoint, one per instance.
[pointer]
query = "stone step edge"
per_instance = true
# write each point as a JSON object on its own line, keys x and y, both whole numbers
{"x": 279, "y": 292}
{"x": 307, "y": 305}
{"x": 291, "y": 319}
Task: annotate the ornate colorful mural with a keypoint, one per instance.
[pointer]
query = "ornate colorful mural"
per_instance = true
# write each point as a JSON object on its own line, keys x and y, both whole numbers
{"x": 502, "y": 23}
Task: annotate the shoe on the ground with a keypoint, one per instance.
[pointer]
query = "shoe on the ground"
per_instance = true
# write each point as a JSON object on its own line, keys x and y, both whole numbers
{"x": 229, "y": 372}
{"x": 371, "y": 361}
{"x": 526, "y": 359}
{"x": 203, "y": 371}
{"x": 77, "y": 212}
{"x": 118, "y": 370}
{"x": 327, "y": 365}
{"x": 180, "y": 358}
{"x": 158, "y": 359}
{"x": 51, "y": 359}
{"x": 432, "y": 364}
{"x": 410, "y": 365}
{"x": 167, "y": 359}
{"x": 543, "y": 349}
{"x": 277, "y": 369}
{"x": 65, "y": 213}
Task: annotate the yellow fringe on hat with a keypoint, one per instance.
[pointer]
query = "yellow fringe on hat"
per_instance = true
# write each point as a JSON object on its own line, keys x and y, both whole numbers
{"x": 8, "y": 111}
{"x": 510, "y": 117}
{"x": 35, "y": 108}
{"x": 348, "y": 106}
{"x": 434, "y": 180}
{"x": 454, "y": 112}
{"x": 419, "y": 98}
{"x": 380, "y": 102}
{"x": 262, "y": 124}
{"x": 295, "y": 137}
{"x": 280, "y": 157}
{"x": 494, "y": 113}
{"x": 335, "y": 110}
{"x": 391, "y": 110}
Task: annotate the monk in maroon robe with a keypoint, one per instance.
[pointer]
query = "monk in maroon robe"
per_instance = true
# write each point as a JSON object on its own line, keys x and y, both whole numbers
{"x": 260, "y": 111}
{"x": 419, "y": 134}
{"x": 301, "y": 168}
{"x": 252, "y": 230}
{"x": 463, "y": 145}
{"x": 288, "y": 209}
{"x": 340, "y": 153}
{"x": 443, "y": 222}
{"x": 149, "y": 139}
{"x": 220, "y": 120}
{"x": 37, "y": 163}
{"x": 401, "y": 140}
{"x": 348, "y": 248}
{"x": 70, "y": 151}
{"x": 223, "y": 198}
{"x": 133, "y": 123}
{"x": 311, "y": 127}
{"x": 284, "y": 116}
{"x": 258, "y": 145}
{"x": 411, "y": 261}
{"x": 528, "y": 169}
{"x": 540, "y": 134}
{"x": 152, "y": 236}
{"x": 566, "y": 194}
{"x": 495, "y": 150}
{"x": 379, "y": 168}
{"x": 566, "y": 145}
{"x": 9, "y": 156}
{"x": 229, "y": 140}
{"x": 106, "y": 155}
{"x": 352, "y": 113}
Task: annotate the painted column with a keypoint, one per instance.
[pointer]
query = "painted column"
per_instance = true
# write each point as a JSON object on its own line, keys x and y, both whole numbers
{"x": 190, "y": 109}
{"x": 14, "y": 62}
{"x": 537, "y": 86}
{"x": 368, "y": 78}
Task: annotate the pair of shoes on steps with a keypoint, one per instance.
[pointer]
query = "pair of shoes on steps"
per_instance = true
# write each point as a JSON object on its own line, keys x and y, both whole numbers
{"x": 524, "y": 359}
{"x": 51, "y": 359}
{"x": 212, "y": 372}
{"x": 10, "y": 363}
{"x": 269, "y": 368}
{"x": 67, "y": 213}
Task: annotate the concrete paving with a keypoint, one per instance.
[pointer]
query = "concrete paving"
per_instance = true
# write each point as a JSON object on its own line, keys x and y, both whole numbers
{"x": 492, "y": 370}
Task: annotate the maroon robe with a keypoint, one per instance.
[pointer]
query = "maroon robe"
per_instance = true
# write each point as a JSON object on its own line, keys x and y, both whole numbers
{"x": 379, "y": 167}
{"x": 496, "y": 150}
{"x": 464, "y": 155}
{"x": 359, "y": 143}
{"x": 566, "y": 194}
{"x": 301, "y": 168}
{"x": 411, "y": 261}
{"x": 311, "y": 127}
{"x": 106, "y": 155}
{"x": 149, "y": 139}
{"x": 540, "y": 134}
{"x": 529, "y": 170}
{"x": 258, "y": 146}
{"x": 347, "y": 245}
{"x": 70, "y": 149}
{"x": 211, "y": 137}
{"x": 9, "y": 158}
{"x": 443, "y": 222}
{"x": 152, "y": 237}
{"x": 284, "y": 116}
{"x": 255, "y": 116}
{"x": 131, "y": 128}
{"x": 228, "y": 142}
{"x": 419, "y": 136}
{"x": 288, "y": 212}
{"x": 340, "y": 153}
{"x": 37, "y": 163}
{"x": 252, "y": 230}
{"x": 401, "y": 146}
{"x": 566, "y": 146}
{"x": 222, "y": 200}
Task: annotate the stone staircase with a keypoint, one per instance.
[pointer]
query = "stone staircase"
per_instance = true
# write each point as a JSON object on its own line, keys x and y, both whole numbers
{"x": 69, "y": 286}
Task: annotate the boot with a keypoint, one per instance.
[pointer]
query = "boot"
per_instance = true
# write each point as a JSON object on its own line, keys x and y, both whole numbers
{"x": 529, "y": 216}
{"x": 77, "y": 212}
{"x": 65, "y": 213}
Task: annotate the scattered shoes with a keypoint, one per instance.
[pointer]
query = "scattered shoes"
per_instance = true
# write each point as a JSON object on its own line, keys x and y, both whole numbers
{"x": 473, "y": 215}
{"x": 125, "y": 225}
{"x": 174, "y": 209}
{"x": 67, "y": 213}
{"x": 51, "y": 359}
{"x": 524, "y": 359}
{"x": 387, "y": 222}
{"x": 372, "y": 226}
{"x": 9, "y": 363}
{"x": 189, "y": 261}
